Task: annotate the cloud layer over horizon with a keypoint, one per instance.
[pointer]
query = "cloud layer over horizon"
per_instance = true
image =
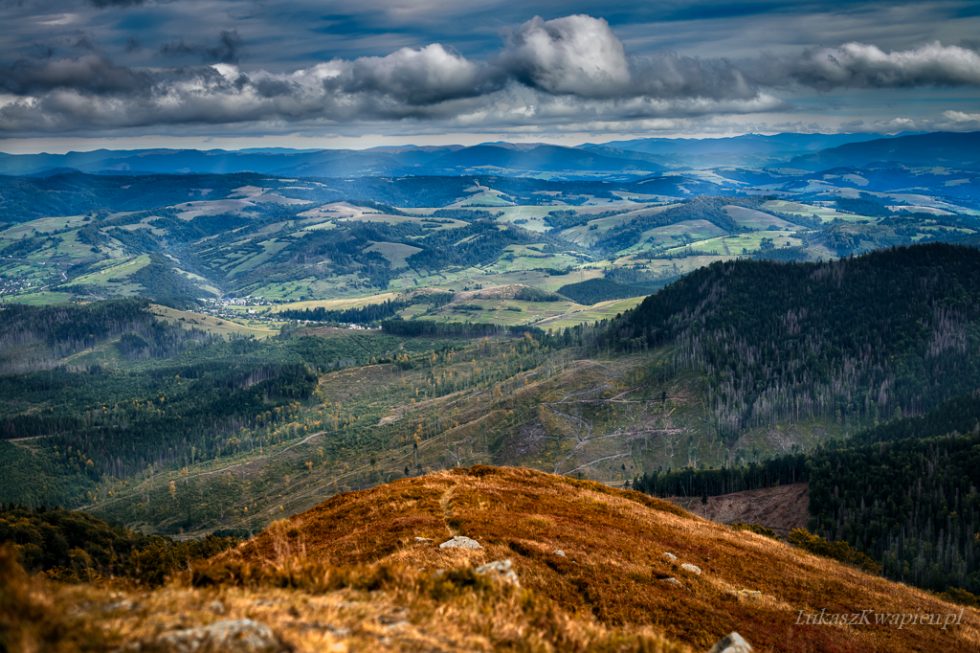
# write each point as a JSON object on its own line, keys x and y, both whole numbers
{"x": 560, "y": 74}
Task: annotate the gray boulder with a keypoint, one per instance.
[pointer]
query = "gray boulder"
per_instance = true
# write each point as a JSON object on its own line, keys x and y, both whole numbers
{"x": 731, "y": 643}
{"x": 460, "y": 542}
{"x": 501, "y": 570}
{"x": 229, "y": 636}
{"x": 694, "y": 569}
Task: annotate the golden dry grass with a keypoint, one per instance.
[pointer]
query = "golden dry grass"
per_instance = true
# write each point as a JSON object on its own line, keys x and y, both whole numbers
{"x": 335, "y": 304}
{"x": 351, "y": 575}
{"x": 614, "y": 570}
{"x": 210, "y": 323}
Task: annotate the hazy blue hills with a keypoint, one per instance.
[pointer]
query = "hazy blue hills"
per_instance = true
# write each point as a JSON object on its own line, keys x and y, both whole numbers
{"x": 324, "y": 163}
{"x": 751, "y": 150}
{"x": 620, "y": 160}
{"x": 537, "y": 158}
{"x": 504, "y": 158}
{"x": 941, "y": 149}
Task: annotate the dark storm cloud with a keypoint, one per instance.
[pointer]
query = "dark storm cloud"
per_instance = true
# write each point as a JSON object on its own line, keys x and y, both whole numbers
{"x": 179, "y": 48}
{"x": 90, "y": 74}
{"x": 225, "y": 51}
{"x": 101, "y": 4}
{"x": 568, "y": 70}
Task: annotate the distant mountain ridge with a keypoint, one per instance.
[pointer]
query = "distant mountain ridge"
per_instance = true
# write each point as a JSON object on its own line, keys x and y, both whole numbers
{"x": 528, "y": 161}
{"x": 629, "y": 159}
{"x": 952, "y": 149}
{"x": 750, "y": 150}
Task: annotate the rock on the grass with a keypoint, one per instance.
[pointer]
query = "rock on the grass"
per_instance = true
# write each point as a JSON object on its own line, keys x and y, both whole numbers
{"x": 670, "y": 556}
{"x": 229, "y": 636}
{"x": 460, "y": 542}
{"x": 731, "y": 643}
{"x": 694, "y": 569}
{"x": 502, "y": 570}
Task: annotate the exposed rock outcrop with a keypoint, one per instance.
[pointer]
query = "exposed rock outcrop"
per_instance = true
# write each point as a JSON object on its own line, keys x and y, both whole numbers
{"x": 460, "y": 542}
{"x": 501, "y": 570}
{"x": 731, "y": 643}
{"x": 229, "y": 636}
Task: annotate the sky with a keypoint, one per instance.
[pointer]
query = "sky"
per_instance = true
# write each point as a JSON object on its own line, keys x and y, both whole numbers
{"x": 84, "y": 74}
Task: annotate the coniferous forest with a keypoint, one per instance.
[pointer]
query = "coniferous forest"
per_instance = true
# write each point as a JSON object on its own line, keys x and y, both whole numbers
{"x": 871, "y": 338}
{"x": 887, "y": 339}
{"x": 906, "y": 493}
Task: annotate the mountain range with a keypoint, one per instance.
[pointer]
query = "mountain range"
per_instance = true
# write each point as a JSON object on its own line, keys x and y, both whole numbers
{"x": 617, "y": 159}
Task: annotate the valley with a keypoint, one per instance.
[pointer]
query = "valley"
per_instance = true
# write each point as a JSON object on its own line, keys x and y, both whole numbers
{"x": 198, "y": 358}
{"x": 219, "y": 428}
{"x": 252, "y": 246}
{"x": 438, "y": 327}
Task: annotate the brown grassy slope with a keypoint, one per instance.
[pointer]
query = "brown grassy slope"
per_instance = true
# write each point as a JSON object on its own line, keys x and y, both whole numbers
{"x": 614, "y": 571}
{"x": 781, "y": 508}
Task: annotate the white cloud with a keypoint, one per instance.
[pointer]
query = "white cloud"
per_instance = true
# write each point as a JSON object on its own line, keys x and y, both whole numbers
{"x": 556, "y": 73}
{"x": 867, "y": 66}
{"x": 959, "y": 121}
{"x": 576, "y": 54}
{"x": 416, "y": 75}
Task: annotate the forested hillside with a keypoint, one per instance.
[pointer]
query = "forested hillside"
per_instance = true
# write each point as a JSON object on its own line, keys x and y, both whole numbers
{"x": 869, "y": 338}
{"x": 150, "y": 417}
{"x": 911, "y": 504}
{"x": 891, "y": 340}
{"x": 35, "y": 338}
{"x": 783, "y": 470}
{"x": 958, "y": 415}
{"x": 907, "y": 492}
{"x": 106, "y": 390}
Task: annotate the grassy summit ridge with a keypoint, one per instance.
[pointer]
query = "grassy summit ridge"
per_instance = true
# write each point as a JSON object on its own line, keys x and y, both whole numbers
{"x": 591, "y": 558}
